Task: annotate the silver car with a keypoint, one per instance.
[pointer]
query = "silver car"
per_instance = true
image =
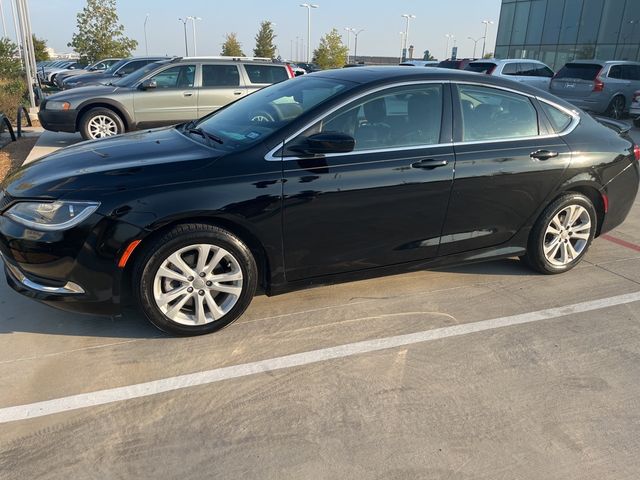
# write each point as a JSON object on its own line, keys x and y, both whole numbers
{"x": 531, "y": 72}
{"x": 160, "y": 93}
{"x": 597, "y": 86}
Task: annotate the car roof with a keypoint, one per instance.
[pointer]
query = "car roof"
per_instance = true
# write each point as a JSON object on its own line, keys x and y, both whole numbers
{"x": 371, "y": 75}
{"x": 508, "y": 60}
{"x": 228, "y": 59}
{"x": 603, "y": 62}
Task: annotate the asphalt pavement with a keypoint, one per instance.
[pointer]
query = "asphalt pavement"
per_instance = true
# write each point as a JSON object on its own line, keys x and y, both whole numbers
{"x": 487, "y": 371}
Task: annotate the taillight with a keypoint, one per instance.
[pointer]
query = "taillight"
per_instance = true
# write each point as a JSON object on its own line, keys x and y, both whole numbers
{"x": 636, "y": 152}
{"x": 598, "y": 85}
{"x": 290, "y": 70}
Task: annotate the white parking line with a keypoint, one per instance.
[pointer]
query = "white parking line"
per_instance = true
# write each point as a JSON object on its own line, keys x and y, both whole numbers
{"x": 129, "y": 392}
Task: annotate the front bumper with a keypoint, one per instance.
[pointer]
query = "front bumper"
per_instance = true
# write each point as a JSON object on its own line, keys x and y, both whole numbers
{"x": 58, "y": 120}
{"x": 74, "y": 270}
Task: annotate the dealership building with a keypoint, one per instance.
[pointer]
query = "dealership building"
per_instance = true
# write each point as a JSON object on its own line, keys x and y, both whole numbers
{"x": 557, "y": 31}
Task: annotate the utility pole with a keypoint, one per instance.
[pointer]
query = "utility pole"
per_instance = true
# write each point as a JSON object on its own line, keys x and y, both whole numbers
{"x": 26, "y": 40}
{"x": 146, "y": 46}
{"x": 184, "y": 24}
{"x": 475, "y": 43}
{"x": 308, "y": 6}
{"x": 349, "y": 30}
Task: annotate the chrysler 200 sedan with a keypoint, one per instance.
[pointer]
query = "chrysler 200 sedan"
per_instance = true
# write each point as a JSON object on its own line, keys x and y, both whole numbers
{"x": 329, "y": 176}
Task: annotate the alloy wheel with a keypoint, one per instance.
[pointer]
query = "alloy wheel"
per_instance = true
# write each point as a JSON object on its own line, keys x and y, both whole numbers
{"x": 198, "y": 284}
{"x": 567, "y": 235}
{"x": 102, "y": 126}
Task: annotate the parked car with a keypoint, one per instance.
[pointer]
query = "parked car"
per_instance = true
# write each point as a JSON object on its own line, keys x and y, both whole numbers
{"x": 531, "y": 72}
{"x": 97, "y": 67}
{"x": 597, "y": 86}
{"x": 48, "y": 75}
{"x": 114, "y": 72}
{"x": 161, "y": 93}
{"x": 43, "y": 70}
{"x": 634, "y": 110}
{"x": 309, "y": 67}
{"x": 457, "y": 64}
{"x": 340, "y": 174}
{"x": 420, "y": 63}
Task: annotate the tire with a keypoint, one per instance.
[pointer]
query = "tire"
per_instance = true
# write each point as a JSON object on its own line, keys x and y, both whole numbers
{"x": 100, "y": 122}
{"x": 565, "y": 249}
{"x": 173, "y": 300}
{"x": 616, "y": 108}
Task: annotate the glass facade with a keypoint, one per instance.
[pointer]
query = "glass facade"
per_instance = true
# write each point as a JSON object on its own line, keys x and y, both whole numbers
{"x": 558, "y": 31}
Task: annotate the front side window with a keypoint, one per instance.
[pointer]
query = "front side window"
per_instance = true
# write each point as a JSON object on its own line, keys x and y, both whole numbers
{"x": 220, "y": 76}
{"x": 256, "y": 116}
{"x": 398, "y": 117}
{"x": 266, "y": 73}
{"x": 176, "y": 77}
{"x": 132, "y": 67}
{"x": 492, "y": 114}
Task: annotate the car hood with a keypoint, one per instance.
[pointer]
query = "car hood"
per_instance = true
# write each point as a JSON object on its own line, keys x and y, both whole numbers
{"x": 124, "y": 162}
{"x": 92, "y": 77}
{"x": 81, "y": 93}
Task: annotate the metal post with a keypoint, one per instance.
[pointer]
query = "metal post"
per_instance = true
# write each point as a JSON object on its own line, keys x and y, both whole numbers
{"x": 308, "y": 6}
{"x": 186, "y": 46}
{"x": 26, "y": 54}
{"x": 193, "y": 20}
{"x": 349, "y": 30}
{"x": 401, "y": 47}
{"x": 146, "y": 45}
{"x": 4, "y": 25}
{"x": 15, "y": 27}
{"x": 355, "y": 52}
{"x": 408, "y": 16}
{"x": 486, "y": 28}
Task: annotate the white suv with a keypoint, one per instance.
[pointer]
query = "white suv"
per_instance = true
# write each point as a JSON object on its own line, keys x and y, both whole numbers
{"x": 531, "y": 72}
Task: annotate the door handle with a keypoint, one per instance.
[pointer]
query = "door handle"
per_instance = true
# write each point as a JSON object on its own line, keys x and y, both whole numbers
{"x": 187, "y": 94}
{"x": 429, "y": 164}
{"x": 543, "y": 154}
{"x": 238, "y": 92}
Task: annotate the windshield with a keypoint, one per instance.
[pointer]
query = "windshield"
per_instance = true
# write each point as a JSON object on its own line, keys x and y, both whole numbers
{"x": 581, "y": 71}
{"x": 116, "y": 66}
{"x": 258, "y": 115}
{"x": 132, "y": 78}
{"x": 481, "y": 67}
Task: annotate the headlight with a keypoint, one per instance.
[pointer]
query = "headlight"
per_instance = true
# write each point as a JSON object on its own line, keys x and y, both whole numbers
{"x": 55, "y": 105}
{"x": 51, "y": 216}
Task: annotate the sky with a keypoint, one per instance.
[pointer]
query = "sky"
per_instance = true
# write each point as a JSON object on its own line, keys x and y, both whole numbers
{"x": 55, "y": 20}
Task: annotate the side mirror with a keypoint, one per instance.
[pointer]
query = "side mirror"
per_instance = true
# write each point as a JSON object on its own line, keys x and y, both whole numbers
{"x": 148, "y": 85}
{"x": 323, "y": 143}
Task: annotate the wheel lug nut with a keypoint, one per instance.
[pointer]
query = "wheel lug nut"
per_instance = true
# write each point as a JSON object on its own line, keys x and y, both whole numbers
{"x": 201, "y": 274}
{"x": 209, "y": 284}
{"x": 190, "y": 279}
{"x": 201, "y": 292}
{"x": 190, "y": 289}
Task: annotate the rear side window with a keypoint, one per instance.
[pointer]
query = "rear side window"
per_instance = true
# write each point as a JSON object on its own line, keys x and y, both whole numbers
{"x": 559, "y": 120}
{"x": 543, "y": 71}
{"x": 510, "y": 69}
{"x": 580, "y": 71}
{"x": 492, "y": 114}
{"x": 481, "y": 67}
{"x": 220, "y": 76}
{"x": 266, "y": 73}
{"x": 630, "y": 72}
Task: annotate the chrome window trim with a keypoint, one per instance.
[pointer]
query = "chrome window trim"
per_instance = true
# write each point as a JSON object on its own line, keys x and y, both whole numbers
{"x": 570, "y": 128}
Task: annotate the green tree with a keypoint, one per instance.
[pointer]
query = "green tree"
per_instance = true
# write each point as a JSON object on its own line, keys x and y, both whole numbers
{"x": 427, "y": 55}
{"x": 331, "y": 53}
{"x": 10, "y": 66}
{"x": 40, "y": 49}
{"x": 264, "y": 41}
{"x": 488, "y": 55}
{"x": 100, "y": 35}
{"x": 231, "y": 46}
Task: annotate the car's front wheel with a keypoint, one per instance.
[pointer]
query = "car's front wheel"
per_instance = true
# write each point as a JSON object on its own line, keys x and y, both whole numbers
{"x": 195, "y": 279}
{"x": 100, "y": 122}
{"x": 562, "y": 235}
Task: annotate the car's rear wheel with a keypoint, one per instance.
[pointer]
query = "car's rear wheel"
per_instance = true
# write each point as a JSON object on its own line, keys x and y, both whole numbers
{"x": 100, "y": 122}
{"x": 195, "y": 279}
{"x": 562, "y": 235}
{"x": 616, "y": 107}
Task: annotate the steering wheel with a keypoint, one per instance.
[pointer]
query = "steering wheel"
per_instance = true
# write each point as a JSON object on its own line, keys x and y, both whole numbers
{"x": 262, "y": 116}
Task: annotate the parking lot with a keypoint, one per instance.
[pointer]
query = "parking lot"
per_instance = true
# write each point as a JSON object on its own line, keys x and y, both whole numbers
{"x": 485, "y": 371}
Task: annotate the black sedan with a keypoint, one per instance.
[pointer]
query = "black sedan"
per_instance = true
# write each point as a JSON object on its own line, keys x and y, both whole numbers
{"x": 330, "y": 176}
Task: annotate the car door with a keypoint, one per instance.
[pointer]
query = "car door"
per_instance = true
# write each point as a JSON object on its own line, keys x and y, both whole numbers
{"x": 221, "y": 84}
{"x": 260, "y": 75}
{"x": 170, "y": 98}
{"x": 384, "y": 202}
{"x": 508, "y": 161}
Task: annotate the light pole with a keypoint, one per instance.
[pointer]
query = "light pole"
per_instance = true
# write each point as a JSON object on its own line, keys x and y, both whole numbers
{"x": 401, "y": 47}
{"x": 475, "y": 43}
{"x": 146, "y": 46}
{"x": 486, "y": 27}
{"x": 184, "y": 24}
{"x": 449, "y": 36}
{"x": 349, "y": 30}
{"x": 308, "y": 6}
{"x": 355, "y": 49}
{"x": 4, "y": 25}
{"x": 193, "y": 20}
{"x": 408, "y": 16}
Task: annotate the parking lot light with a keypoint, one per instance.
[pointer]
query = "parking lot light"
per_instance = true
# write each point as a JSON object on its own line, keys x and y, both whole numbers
{"x": 309, "y": 6}
{"x": 184, "y": 24}
{"x": 409, "y": 17}
{"x": 486, "y": 27}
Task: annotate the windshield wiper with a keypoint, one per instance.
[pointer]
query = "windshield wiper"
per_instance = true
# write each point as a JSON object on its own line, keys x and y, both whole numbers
{"x": 206, "y": 135}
